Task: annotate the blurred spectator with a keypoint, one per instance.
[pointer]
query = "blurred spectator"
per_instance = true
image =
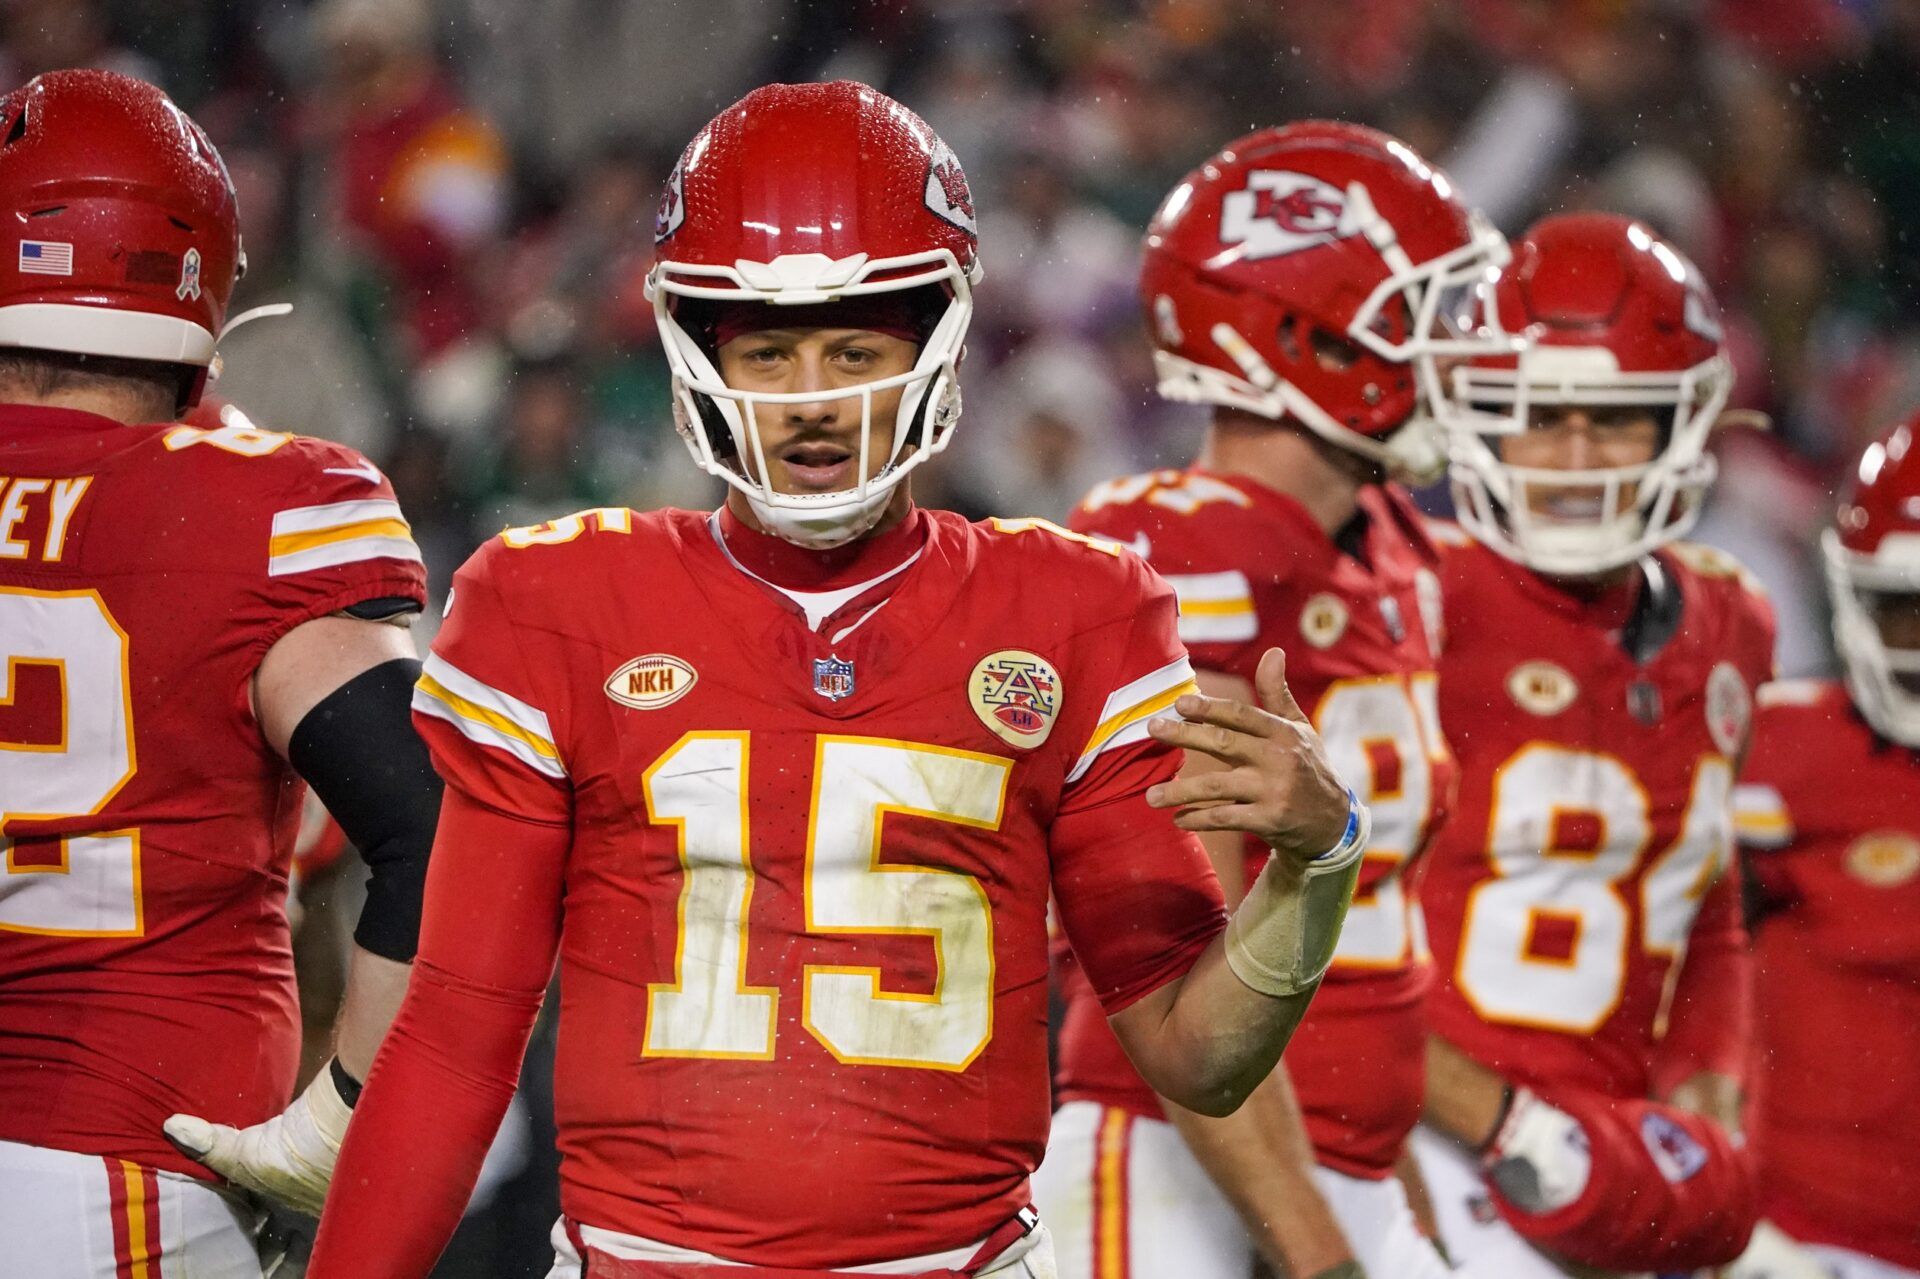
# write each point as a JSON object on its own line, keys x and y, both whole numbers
{"x": 420, "y": 177}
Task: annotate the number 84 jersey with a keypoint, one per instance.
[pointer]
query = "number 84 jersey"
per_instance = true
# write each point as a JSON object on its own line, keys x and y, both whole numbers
{"x": 804, "y": 959}
{"x": 1597, "y": 740}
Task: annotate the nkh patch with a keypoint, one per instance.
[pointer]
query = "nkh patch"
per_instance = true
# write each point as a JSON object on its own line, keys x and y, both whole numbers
{"x": 1675, "y": 1153}
{"x": 650, "y": 682}
{"x": 1016, "y": 694}
{"x": 832, "y": 678}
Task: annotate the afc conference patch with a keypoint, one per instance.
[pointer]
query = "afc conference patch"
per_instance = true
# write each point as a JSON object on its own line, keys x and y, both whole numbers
{"x": 832, "y": 678}
{"x": 1016, "y": 694}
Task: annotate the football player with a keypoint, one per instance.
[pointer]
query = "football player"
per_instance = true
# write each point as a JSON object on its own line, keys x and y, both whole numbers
{"x": 804, "y": 772}
{"x": 1829, "y": 811}
{"x": 192, "y": 619}
{"x": 1597, "y": 689}
{"x": 1295, "y": 282}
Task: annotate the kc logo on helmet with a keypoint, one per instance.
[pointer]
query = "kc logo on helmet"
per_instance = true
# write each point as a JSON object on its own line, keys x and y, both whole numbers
{"x": 1280, "y": 212}
{"x": 673, "y": 203}
{"x": 947, "y": 193}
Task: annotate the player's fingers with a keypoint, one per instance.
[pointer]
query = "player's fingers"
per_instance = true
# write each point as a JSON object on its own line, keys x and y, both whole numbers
{"x": 1226, "y": 713}
{"x": 1227, "y": 816}
{"x": 1222, "y": 744}
{"x": 193, "y": 1134}
{"x": 1205, "y": 788}
{"x": 1270, "y": 682}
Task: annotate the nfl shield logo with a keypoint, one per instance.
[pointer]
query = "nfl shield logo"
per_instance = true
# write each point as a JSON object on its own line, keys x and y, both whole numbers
{"x": 832, "y": 678}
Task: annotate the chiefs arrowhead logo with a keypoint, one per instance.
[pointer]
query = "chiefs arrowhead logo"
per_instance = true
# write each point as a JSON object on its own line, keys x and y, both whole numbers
{"x": 673, "y": 203}
{"x": 1281, "y": 212}
{"x": 947, "y": 194}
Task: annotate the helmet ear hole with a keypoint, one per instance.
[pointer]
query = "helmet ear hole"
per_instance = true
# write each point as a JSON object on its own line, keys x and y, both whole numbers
{"x": 17, "y": 130}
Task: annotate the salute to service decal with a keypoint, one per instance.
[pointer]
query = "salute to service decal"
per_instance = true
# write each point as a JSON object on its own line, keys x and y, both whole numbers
{"x": 1016, "y": 694}
{"x": 650, "y": 682}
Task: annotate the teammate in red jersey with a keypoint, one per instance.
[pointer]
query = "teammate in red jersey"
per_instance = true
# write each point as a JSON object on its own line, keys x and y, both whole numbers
{"x": 191, "y": 620}
{"x": 1293, "y": 282}
{"x": 1829, "y": 811}
{"x": 1596, "y": 689}
{"x": 804, "y": 772}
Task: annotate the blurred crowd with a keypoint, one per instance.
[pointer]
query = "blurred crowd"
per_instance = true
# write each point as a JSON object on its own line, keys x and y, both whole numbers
{"x": 457, "y": 196}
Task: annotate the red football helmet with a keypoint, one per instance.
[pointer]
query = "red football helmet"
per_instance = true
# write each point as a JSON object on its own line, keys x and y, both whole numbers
{"x": 1613, "y": 315}
{"x": 1873, "y": 572}
{"x": 799, "y": 195}
{"x": 1312, "y": 272}
{"x": 127, "y": 235}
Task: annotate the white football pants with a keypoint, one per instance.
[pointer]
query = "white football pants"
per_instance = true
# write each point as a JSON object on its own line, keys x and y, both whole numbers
{"x": 69, "y": 1216}
{"x": 1847, "y": 1264}
{"x": 1030, "y": 1258}
{"x": 1127, "y": 1200}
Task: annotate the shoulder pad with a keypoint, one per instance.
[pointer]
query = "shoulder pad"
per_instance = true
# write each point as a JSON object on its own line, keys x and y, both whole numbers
{"x": 1791, "y": 692}
{"x": 1179, "y": 492}
{"x": 1447, "y": 534}
{"x": 1712, "y": 562}
{"x": 600, "y": 519}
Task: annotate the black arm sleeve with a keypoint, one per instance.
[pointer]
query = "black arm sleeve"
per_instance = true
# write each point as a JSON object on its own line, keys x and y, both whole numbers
{"x": 358, "y": 751}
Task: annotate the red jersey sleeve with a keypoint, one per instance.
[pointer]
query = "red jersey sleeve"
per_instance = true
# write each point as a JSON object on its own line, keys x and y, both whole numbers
{"x": 1668, "y": 1190}
{"x": 478, "y": 705}
{"x": 332, "y": 536}
{"x": 1711, "y": 1022}
{"x": 1197, "y": 542}
{"x": 447, "y": 1069}
{"x": 1137, "y": 897}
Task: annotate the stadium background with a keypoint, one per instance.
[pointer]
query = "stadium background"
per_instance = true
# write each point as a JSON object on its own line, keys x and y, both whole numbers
{"x": 458, "y": 197}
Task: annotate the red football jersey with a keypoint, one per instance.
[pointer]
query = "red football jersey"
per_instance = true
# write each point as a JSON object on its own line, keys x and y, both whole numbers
{"x": 1830, "y": 815}
{"x": 1254, "y": 571}
{"x": 144, "y": 572}
{"x": 1594, "y": 812}
{"x": 805, "y": 948}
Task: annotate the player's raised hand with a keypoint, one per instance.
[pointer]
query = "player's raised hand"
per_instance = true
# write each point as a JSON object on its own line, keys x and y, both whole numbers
{"x": 1276, "y": 783}
{"x": 289, "y": 1158}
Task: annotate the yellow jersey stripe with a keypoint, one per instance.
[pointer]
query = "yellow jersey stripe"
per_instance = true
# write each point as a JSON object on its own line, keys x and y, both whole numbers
{"x": 481, "y": 715}
{"x": 293, "y": 543}
{"x": 1134, "y": 714}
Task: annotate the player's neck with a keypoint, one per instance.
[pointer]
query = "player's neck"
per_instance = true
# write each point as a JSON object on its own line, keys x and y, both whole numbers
{"x": 127, "y": 407}
{"x": 1324, "y": 479}
{"x": 765, "y": 555}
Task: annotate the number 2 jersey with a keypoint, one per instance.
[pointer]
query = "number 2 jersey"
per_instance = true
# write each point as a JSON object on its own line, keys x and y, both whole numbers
{"x": 1587, "y": 857}
{"x": 1254, "y": 571}
{"x": 147, "y": 825}
{"x": 804, "y": 957}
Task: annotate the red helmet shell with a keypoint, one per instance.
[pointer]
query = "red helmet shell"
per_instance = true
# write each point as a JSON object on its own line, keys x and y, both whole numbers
{"x": 126, "y": 232}
{"x": 1885, "y": 496}
{"x": 1261, "y": 238}
{"x": 1601, "y": 280}
{"x": 835, "y": 169}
